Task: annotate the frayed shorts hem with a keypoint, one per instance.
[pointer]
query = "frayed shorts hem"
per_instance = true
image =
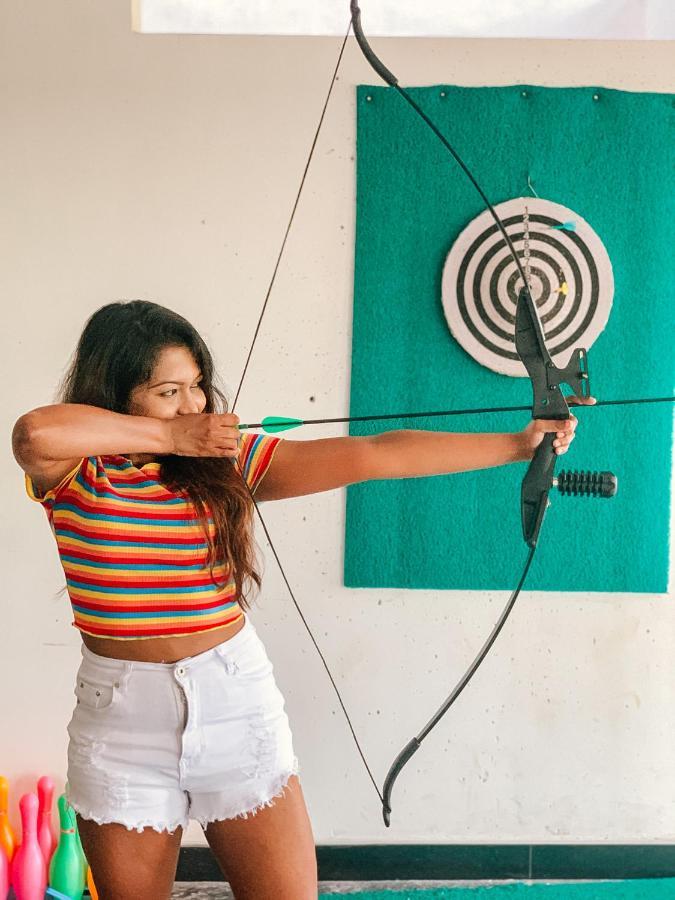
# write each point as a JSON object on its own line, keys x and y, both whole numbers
{"x": 275, "y": 792}
{"x": 160, "y": 827}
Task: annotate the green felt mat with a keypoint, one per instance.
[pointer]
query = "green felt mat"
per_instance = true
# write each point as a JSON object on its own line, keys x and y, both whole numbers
{"x": 638, "y": 889}
{"x": 611, "y": 161}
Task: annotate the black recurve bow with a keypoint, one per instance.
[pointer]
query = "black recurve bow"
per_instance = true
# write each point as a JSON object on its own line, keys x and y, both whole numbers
{"x": 548, "y": 403}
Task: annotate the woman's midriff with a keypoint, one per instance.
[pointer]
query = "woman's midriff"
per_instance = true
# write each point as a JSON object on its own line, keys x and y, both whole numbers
{"x": 162, "y": 650}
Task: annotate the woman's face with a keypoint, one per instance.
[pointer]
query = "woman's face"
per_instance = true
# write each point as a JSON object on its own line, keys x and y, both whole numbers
{"x": 173, "y": 388}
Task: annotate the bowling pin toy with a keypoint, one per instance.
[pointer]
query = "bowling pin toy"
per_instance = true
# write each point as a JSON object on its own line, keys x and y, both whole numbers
{"x": 59, "y": 896}
{"x": 80, "y": 848}
{"x": 46, "y": 837}
{"x": 29, "y": 872}
{"x": 91, "y": 885}
{"x": 7, "y": 837}
{"x": 66, "y": 872}
{"x": 4, "y": 874}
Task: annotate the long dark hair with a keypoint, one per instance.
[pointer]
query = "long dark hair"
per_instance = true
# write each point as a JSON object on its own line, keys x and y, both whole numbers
{"x": 117, "y": 351}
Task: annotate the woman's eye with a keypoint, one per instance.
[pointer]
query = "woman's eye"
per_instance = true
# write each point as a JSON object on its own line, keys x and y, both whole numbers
{"x": 173, "y": 391}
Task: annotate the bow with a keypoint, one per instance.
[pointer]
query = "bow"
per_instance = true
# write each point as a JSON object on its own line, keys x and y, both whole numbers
{"x": 548, "y": 403}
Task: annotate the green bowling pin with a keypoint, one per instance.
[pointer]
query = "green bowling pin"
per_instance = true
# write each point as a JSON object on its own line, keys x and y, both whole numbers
{"x": 66, "y": 872}
{"x": 80, "y": 849}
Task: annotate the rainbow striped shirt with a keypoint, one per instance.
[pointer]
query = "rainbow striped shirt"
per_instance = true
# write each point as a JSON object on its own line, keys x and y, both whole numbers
{"x": 134, "y": 553}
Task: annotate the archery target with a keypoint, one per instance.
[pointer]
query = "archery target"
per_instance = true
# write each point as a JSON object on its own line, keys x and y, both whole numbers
{"x": 571, "y": 281}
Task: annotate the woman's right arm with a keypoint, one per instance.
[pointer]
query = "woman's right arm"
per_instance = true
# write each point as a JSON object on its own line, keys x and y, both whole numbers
{"x": 48, "y": 442}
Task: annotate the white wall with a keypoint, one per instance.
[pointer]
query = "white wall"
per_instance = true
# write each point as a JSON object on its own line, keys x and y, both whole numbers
{"x": 164, "y": 168}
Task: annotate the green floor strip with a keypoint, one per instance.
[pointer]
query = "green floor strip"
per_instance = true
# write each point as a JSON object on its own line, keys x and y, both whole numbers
{"x": 635, "y": 889}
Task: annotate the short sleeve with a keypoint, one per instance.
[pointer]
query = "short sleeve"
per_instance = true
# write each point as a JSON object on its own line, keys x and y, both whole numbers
{"x": 255, "y": 455}
{"x": 49, "y": 496}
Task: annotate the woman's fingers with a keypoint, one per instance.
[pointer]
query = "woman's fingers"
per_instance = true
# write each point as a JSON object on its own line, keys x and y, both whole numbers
{"x": 573, "y": 400}
{"x": 564, "y": 431}
{"x": 564, "y": 434}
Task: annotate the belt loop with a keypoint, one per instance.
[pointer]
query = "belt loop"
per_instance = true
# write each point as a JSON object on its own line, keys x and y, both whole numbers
{"x": 126, "y": 675}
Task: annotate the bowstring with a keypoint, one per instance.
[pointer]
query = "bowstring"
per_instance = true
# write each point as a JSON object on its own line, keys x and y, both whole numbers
{"x": 292, "y": 216}
{"x": 241, "y": 381}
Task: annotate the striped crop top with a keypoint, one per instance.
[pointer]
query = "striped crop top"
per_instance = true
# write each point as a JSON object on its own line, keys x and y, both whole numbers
{"x": 134, "y": 553}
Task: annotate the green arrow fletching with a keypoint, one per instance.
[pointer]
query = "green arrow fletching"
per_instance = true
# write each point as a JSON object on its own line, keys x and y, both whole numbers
{"x": 273, "y": 424}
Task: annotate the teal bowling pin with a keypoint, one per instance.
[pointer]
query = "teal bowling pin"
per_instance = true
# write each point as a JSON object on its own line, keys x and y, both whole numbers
{"x": 66, "y": 873}
{"x": 85, "y": 862}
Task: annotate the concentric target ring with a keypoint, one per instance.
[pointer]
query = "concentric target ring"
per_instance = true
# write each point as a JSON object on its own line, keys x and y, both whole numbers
{"x": 571, "y": 280}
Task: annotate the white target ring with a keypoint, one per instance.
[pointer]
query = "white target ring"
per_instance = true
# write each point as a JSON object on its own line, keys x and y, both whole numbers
{"x": 571, "y": 280}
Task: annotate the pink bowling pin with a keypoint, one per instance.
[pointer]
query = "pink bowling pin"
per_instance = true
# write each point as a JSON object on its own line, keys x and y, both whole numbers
{"x": 46, "y": 837}
{"x": 4, "y": 874}
{"x": 29, "y": 871}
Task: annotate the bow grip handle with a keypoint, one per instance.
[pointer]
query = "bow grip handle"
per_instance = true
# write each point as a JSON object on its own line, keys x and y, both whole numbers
{"x": 535, "y": 488}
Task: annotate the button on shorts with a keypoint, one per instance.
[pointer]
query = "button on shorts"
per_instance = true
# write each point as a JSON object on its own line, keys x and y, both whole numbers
{"x": 157, "y": 744}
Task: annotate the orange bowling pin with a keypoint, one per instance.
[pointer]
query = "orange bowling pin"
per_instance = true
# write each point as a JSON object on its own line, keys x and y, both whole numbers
{"x": 7, "y": 837}
{"x": 90, "y": 885}
{"x": 4, "y": 874}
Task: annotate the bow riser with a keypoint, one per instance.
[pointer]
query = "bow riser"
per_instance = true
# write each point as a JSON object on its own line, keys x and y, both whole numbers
{"x": 548, "y": 401}
{"x": 535, "y": 488}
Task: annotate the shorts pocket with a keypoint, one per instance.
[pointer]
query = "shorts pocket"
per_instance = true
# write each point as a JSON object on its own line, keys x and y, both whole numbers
{"x": 95, "y": 692}
{"x": 249, "y": 661}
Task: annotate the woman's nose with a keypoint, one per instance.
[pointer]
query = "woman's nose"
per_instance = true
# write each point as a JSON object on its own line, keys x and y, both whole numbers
{"x": 189, "y": 405}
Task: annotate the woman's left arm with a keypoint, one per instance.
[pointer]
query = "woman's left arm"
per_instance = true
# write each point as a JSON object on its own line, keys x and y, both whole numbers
{"x": 308, "y": 467}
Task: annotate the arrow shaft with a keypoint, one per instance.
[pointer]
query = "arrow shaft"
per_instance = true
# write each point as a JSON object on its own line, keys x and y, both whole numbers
{"x": 451, "y": 412}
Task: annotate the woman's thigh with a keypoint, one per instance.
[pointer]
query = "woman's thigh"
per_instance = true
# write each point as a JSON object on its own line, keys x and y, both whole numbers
{"x": 130, "y": 865}
{"x": 271, "y": 853}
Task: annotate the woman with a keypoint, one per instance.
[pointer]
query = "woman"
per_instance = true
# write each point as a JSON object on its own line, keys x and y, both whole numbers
{"x": 148, "y": 491}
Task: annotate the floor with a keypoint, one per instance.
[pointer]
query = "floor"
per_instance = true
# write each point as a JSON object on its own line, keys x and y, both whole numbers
{"x": 210, "y": 891}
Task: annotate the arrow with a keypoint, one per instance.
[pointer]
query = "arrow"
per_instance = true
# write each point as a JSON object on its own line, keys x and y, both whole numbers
{"x": 275, "y": 424}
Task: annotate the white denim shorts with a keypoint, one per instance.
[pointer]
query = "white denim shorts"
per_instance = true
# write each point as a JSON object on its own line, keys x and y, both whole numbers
{"x": 157, "y": 744}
